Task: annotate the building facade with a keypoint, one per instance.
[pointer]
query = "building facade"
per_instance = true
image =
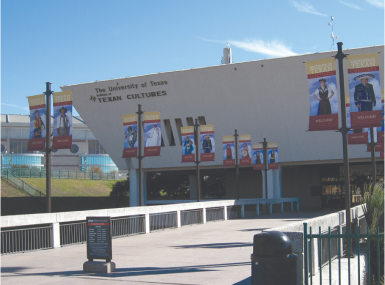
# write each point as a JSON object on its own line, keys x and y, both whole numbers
{"x": 265, "y": 98}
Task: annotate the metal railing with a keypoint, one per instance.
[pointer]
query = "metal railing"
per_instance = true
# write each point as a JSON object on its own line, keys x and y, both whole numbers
{"x": 63, "y": 174}
{"x": 214, "y": 214}
{"x": 334, "y": 243}
{"x": 127, "y": 226}
{"x": 26, "y": 239}
{"x": 161, "y": 221}
{"x": 234, "y": 212}
{"x": 73, "y": 232}
{"x": 21, "y": 184}
{"x": 191, "y": 217}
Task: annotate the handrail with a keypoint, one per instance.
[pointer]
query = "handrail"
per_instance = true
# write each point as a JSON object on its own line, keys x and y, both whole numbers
{"x": 6, "y": 174}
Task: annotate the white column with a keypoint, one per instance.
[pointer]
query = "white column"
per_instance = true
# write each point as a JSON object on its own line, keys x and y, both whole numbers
{"x": 298, "y": 206}
{"x": 204, "y": 215}
{"x": 271, "y": 208}
{"x": 147, "y": 223}
{"x": 277, "y": 185}
{"x": 178, "y": 220}
{"x": 225, "y": 212}
{"x": 56, "y": 235}
{"x": 270, "y": 185}
{"x": 243, "y": 211}
{"x": 292, "y": 206}
{"x": 193, "y": 187}
{"x": 134, "y": 187}
{"x": 257, "y": 209}
{"x": 282, "y": 207}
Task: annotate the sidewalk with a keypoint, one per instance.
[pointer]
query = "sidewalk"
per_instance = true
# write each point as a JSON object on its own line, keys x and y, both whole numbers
{"x": 212, "y": 253}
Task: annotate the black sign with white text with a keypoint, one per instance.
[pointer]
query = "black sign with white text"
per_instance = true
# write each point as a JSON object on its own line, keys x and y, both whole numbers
{"x": 99, "y": 238}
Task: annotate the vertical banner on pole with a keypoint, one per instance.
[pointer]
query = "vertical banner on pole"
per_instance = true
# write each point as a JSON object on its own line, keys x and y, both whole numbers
{"x": 207, "y": 141}
{"x": 152, "y": 134}
{"x": 188, "y": 146}
{"x": 130, "y": 128}
{"x": 272, "y": 155}
{"x": 323, "y": 94}
{"x": 365, "y": 91}
{"x": 228, "y": 150}
{"x": 380, "y": 130}
{"x": 37, "y": 131}
{"x": 62, "y": 130}
{"x": 244, "y": 149}
{"x": 258, "y": 159}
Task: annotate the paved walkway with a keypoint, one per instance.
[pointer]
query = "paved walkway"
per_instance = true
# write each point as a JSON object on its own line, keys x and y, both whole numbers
{"x": 212, "y": 253}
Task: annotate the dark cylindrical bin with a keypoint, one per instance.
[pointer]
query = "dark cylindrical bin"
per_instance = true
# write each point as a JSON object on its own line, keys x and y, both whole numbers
{"x": 273, "y": 261}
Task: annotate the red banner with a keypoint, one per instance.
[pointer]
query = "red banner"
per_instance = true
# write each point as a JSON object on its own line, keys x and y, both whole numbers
{"x": 380, "y": 137}
{"x": 37, "y": 134}
{"x": 245, "y": 150}
{"x": 358, "y": 138}
{"x": 62, "y": 130}
{"x": 323, "y": 95}
{"x": 152, "y": 134}
{"x": 378, "y": 148}
{"x": 368, "y": 119}
{"x": 130, "y": 129}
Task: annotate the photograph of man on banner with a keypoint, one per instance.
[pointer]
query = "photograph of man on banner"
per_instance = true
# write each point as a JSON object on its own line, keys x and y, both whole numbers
{"x": 152, "y": 133}
{"x": 272, "y": 155}
{"x": 63, "y": 120}
{"x": 364, "y": 92}
{"x": 228, "y": 151}
{"x": 188, "y": 144}
{"x": 131, "y": 136}
{"x": 37, "y": 129}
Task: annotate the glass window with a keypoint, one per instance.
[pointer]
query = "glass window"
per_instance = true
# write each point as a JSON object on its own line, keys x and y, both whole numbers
{"x": 18, "y": 146}
{"x": 96, "y": 148}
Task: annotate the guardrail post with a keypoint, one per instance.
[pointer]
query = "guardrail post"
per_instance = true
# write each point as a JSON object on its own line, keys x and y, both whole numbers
{"x": 178, "y": 220}
{"x": 55, "y": 235}
{"x": 271, "y": 208}
{"x": 225, "y": 212}
{"x": 204, "y": 215}
{"x": 257, "y": 209}
{"x": 282, "y": 207}
{"x": 243, "y": 211}
{"x": 147, "y": 223}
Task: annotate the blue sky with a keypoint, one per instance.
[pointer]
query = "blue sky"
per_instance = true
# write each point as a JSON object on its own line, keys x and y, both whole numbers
{"x": 70, "y": 42}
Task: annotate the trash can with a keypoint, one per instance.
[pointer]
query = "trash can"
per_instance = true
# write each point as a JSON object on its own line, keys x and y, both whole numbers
{"x": 273, "y": 261}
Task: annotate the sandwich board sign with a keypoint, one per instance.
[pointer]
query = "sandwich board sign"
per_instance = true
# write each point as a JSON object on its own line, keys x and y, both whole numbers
{"x": 99, "y": 238}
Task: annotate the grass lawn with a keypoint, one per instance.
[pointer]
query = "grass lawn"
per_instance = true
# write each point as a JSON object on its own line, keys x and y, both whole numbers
{"x": 73, "y": 187}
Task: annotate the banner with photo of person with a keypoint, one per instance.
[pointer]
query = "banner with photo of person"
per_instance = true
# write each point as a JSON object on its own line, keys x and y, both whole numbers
{"x": 188, "y": 144}
{"x": 62, "y": 120}
{"x": 366, "y": 104}
{"x": 37, "y": 133}
{"x": 323, "y": 95}
{"x": 207, "y": 143}
{"x": 228, "y": 150}
{"x": 152, "y": 134}
{"x": 245, "y": 150}
{"x": 258, "y": 157}
{"x": 272, "y": 156}
{"x": 380, "y": 130}
{"x": 130, "y": 128}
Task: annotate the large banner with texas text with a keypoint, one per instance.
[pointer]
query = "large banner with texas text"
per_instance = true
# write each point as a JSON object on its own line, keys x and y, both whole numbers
{"x": 323, "y": 95}
{"x": 152, "y": 134}
{"x": 37, "y": 131}
{"x": 207, "y": 142}
{"x": 188, "y": 144}
{"x": 130, "y": 128}
{"x": 228, "y": 149}
{"x": 366, "y": 104}
{"x": 62, "y": 115}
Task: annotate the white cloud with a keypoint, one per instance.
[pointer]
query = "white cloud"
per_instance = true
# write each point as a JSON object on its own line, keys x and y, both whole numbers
{"x": 308, "y": 8}
{"x": 376, "y": 3}
{"x": 354, "y": 6}
{"x": 17, "y": 106}
{"x": 268, "y": 48}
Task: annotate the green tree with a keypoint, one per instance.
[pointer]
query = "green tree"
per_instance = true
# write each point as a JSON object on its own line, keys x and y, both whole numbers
{"x": 121, "y": 191}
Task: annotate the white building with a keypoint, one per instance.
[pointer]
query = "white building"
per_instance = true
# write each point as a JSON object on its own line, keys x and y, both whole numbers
{"x": 85, "y": 153}
{"x": 265, "y": 98}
